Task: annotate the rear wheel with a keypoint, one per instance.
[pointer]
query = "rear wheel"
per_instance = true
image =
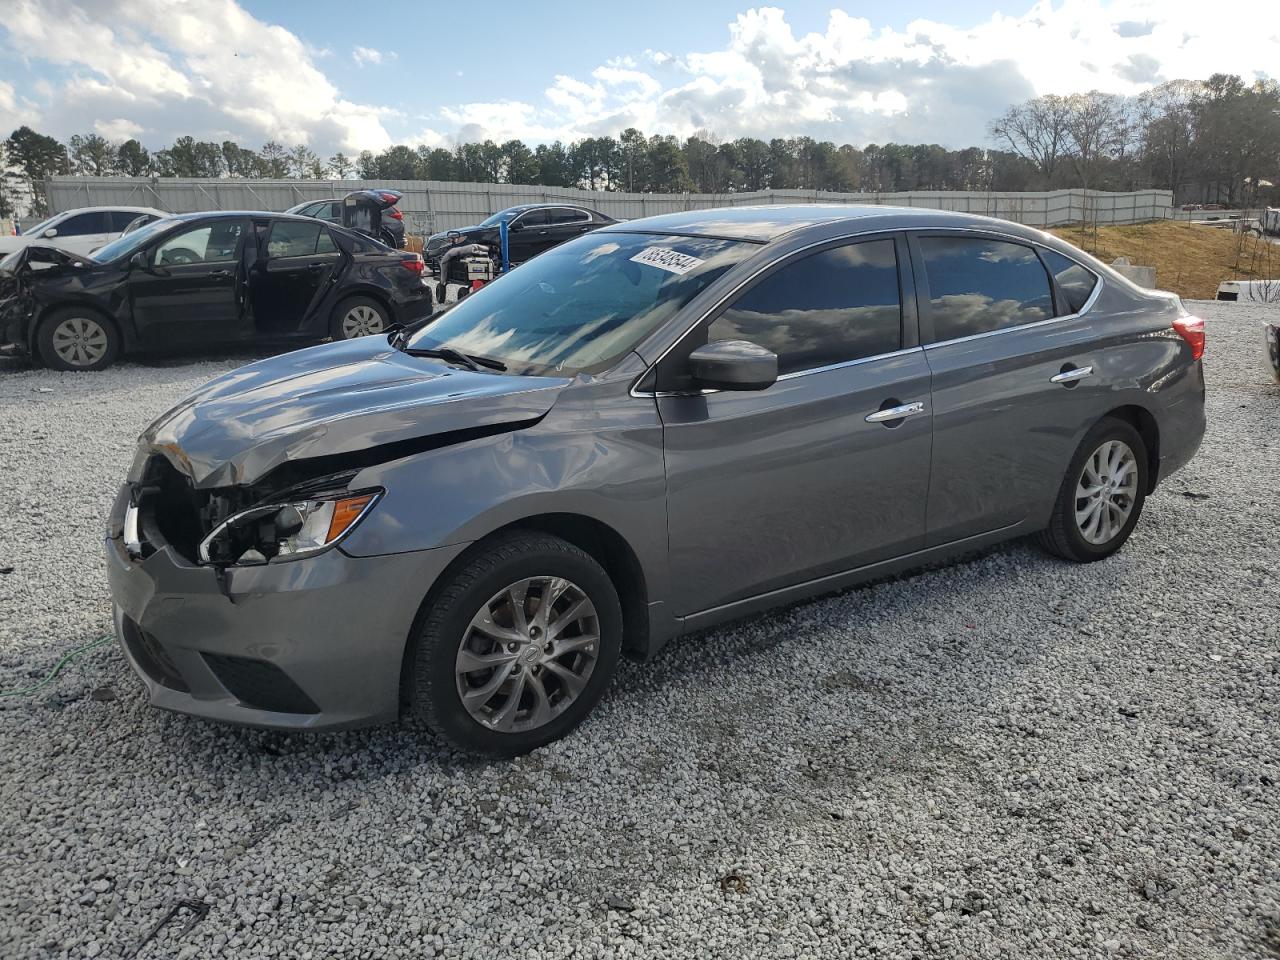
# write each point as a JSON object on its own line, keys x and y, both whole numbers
{"x": 76, "y": 339}
{"x": 1102, "y": 494}
{"x": 358, "y": 317}
{"x": 517, "y": 648}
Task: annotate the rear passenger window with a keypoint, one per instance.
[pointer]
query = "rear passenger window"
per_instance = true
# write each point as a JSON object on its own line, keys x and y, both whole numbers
{"x": 1075, "y": 282}
{"x": 293, "y": 238}
{"x": 831, "y": 307}
{"x": 566, "y": 215}
{"x": 325, "y": 244}
{"x": 978, "y": 285}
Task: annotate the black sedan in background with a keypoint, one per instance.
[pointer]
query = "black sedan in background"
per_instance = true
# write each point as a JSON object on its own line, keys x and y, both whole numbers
{"x": 205, "y": 278}
{"x": 390, "y": 230}
{"x": 532, "y": 228}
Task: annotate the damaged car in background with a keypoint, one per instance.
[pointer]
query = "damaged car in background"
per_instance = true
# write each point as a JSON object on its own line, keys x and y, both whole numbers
{"x": 204, "y": 279}
{"x": 657, "y": 427}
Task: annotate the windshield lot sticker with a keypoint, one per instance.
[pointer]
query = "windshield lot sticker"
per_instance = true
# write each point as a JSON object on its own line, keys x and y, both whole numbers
{"x": 667, "y": 259}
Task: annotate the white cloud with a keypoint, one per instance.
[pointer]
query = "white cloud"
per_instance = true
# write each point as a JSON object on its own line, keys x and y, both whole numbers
{"x": 117, "y": 129}
{"x": 368, "y": 55}
{"x": 158, "y": 70}
{"x": 858, "y": 82}
{"x": 165, "y": 70}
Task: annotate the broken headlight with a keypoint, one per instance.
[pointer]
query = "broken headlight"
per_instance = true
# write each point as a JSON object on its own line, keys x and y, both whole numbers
{"x": 286, "y": 530}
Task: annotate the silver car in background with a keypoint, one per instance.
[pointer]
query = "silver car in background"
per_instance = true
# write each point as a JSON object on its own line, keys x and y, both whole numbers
{"x": 661, "y": 426}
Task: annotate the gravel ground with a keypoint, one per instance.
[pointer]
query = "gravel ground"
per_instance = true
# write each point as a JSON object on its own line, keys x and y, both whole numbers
{"x": 1007, "y": 757}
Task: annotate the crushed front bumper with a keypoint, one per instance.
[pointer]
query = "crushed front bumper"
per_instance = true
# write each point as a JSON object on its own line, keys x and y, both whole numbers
{"x": 314, "y": 644}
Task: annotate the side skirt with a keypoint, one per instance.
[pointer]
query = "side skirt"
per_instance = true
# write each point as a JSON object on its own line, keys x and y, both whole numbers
{"x": 849, "y": 578}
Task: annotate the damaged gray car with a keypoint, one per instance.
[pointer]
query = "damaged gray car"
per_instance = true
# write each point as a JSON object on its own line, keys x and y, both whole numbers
{"x": 652, "y": 429}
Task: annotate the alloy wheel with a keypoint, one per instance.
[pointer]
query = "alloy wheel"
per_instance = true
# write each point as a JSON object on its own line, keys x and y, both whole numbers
{"x": 528, "y": 654}
{"x": 1106, "y": 492}
{"x": 80, "y": 341}
{"x": 361, "y": 321}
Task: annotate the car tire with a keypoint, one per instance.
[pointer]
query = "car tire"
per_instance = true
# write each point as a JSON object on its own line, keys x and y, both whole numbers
{"x": 1102, "y": 495}
{"x": 511, "y": 668}
{"x": 442, "y": 292}
{"x": 358, "y": 317}
{"x": 74, "y": 338}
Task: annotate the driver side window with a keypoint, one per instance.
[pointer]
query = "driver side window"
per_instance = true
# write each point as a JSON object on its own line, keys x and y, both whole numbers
{"x": 211, "y": 243}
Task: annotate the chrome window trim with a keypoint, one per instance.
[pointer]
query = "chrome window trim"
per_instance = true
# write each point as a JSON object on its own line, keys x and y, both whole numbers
{"x": 867, "y": 235}
{"x": 850, "y": 363}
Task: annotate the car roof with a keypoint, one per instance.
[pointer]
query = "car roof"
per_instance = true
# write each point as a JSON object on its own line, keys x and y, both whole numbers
{"x": 230, "y": 214}
{"x": 125, "y": 209}
{"x": 762, "y": 224}
{"x": 561, "y": 203}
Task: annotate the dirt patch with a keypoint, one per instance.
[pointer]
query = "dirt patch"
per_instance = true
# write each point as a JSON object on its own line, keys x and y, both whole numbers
{"x": 1190, "y": 260}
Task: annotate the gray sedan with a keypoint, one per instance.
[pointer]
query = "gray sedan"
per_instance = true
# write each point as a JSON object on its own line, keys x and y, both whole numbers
{"x": 661, "y": 426}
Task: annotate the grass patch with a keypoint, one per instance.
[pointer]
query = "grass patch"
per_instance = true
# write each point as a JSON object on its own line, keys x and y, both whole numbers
{"x": 1190, "y": 260}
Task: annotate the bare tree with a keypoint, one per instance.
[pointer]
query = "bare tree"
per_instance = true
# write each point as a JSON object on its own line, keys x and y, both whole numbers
{"x": 1095, "y": 131}
{"x": 1037, "y": 131}
{"x": 1167, "y": 115}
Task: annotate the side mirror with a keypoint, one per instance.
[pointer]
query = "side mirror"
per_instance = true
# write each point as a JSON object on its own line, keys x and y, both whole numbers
{"x": 515, "y": 226}
{"x": 50, "y": 233}
{"x": 733, "y": 365}
{"x": 138, "y": 261}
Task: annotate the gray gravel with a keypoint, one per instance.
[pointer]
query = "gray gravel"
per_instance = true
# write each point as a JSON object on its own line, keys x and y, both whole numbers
{"x": 1008, "y": 757}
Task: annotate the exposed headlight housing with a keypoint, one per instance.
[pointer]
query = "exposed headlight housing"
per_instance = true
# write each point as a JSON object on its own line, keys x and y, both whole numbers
{"x": 286, "y": 530}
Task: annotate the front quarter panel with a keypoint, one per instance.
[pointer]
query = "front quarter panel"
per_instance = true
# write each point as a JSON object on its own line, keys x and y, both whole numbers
{"x": 597, "y": 454}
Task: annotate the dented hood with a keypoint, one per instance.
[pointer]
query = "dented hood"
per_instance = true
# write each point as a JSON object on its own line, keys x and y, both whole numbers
{"x": 332, "y": 399}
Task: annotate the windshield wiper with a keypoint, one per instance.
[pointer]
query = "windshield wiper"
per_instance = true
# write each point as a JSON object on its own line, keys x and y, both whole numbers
{"x": 467, "y": 360}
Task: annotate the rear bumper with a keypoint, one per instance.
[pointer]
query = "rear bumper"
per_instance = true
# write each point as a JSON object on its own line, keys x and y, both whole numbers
{"x": 414, "y": 304}
{"x": 311, "y": 644}
{"x": 1182, "y": 420}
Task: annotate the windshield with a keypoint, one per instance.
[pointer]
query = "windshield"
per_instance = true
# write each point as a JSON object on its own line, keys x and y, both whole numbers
{"x": 42, "y": 226}
{"x": 580, "y": 306}
{"x": 497, "y": 218}
{"x": 127, "y": 245}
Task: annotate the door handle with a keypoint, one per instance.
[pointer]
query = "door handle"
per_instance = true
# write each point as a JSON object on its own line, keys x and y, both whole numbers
{"x": 313, "y": 267}
{"x": 900, "y": 412}
{"x": 220, "y": 275}
{"x": 1072, "y": 375}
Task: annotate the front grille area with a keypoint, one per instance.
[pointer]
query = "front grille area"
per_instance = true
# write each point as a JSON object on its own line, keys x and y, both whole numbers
{"x": 152, "y": 657}
{"x": 259, "y": 684}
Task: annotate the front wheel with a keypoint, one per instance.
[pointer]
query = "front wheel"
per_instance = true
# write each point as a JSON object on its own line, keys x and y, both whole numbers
{"x": 1102, "y": 495}
{"x": 517, "y": 648}
{"x": 76, "y": 339}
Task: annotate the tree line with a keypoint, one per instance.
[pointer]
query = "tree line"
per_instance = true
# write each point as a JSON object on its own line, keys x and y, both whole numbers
{"x": 1216, "y": 140}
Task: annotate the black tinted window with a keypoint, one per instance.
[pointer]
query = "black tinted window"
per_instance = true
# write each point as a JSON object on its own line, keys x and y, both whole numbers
{"x": 978, "y": 285}
{"x": 1075, "y": 281}
{"x": 829, "y": 307}
{"x": 566, "y": 215}
{"x": 84, "y": 223}
{"x": 325, "y": 244}
{"x": 293, "y": 238}
{"x": 533, "y": 218}
{"x": 119, "y": 219}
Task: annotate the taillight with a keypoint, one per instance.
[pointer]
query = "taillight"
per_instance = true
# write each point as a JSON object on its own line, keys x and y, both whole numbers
{"x": 388, "y": 197}
{"x": 413, "y": 264}
{"x": 395, "y": 214}
{"x": 1191, "y": 329}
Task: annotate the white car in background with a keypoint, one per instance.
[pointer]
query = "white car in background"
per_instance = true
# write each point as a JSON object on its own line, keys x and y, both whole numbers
{"x": 81, "y": 231}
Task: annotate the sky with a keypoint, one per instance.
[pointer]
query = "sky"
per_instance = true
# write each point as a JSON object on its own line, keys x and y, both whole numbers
{"x": 347, "y": 77}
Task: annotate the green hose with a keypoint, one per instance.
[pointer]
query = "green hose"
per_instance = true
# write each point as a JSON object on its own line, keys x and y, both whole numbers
{"x": 58, "y": 667}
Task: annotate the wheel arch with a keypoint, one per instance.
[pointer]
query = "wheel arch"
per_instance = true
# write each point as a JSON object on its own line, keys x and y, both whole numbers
{"x": 1144, "y": 421}
{"x": 594, "y": 537}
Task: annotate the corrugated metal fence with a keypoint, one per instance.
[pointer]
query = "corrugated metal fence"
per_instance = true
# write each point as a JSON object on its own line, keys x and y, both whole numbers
{"x": 431, "y": 205}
